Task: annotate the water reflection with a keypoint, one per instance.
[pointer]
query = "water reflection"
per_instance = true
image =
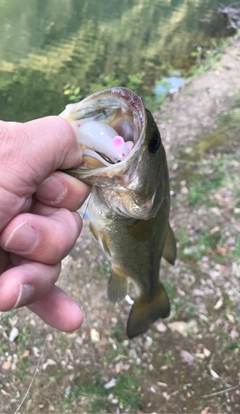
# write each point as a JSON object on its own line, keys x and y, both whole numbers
{"x": 46, "y": 44}
{"x": 168, "y": 85}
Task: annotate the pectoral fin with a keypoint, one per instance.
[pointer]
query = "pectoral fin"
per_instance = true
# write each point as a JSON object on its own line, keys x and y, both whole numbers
{"x": 170, "y": 248}
{"x": 101, "y": 238}
{"x": 117, "y": 286}
{"x": 144, "y": 313}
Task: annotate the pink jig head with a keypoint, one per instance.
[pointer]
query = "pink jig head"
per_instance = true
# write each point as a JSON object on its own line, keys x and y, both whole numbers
{"x": 102, "y": 138}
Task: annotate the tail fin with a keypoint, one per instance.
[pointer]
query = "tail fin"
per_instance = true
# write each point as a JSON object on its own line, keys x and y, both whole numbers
{"x": 117, "y": 287}
{"x": 144, "y": 313}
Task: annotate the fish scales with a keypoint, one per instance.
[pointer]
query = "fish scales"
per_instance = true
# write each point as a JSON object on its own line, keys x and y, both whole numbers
{"x": 130, "y": 201}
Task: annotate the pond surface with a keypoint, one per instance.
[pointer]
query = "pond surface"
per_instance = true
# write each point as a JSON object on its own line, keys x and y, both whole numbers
{"x": 51, "y": 48}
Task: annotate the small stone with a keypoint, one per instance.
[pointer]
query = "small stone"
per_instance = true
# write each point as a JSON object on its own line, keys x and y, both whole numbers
{"x": 166, "y": 396}
{"x": 184, "y": 190}
{"x": 36, "y": 352}
{"x": 187, "y": 357}
{"x": 95, "y": 335}
{"x": 183, "y": 327}
{"x": 161, "y": 327}
{"x": 110, "y": 384}
{"x": 206, "y": 352}
{"x": 149, "y": 341}
{"x": 48, "y": 362}
{"x": 13, "y": 334}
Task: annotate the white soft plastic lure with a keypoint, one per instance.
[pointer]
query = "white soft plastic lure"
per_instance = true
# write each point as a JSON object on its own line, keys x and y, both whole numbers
{"x": 99, "y": 137}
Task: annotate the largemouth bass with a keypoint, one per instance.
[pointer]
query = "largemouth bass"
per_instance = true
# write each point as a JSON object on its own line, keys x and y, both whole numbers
{"x": 124, "y": 159}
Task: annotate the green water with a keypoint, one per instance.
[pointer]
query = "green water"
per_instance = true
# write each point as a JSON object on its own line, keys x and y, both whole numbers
{"x": 47, "y": 45}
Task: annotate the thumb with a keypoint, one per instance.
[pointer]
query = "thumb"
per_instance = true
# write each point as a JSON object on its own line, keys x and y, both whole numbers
{"x": 29, "y": 152}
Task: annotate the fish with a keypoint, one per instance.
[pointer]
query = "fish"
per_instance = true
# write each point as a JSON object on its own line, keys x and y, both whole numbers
{"x": 125, "y": 161}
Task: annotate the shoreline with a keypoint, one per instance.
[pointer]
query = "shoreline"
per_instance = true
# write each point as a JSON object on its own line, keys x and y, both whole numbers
{"x": 193, "y": 111}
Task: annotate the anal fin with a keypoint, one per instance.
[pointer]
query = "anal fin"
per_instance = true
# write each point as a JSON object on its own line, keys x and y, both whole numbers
{"x": 143, "y": 313}
{"x": 117, "y": 287}
{"x": 170, "y": 248}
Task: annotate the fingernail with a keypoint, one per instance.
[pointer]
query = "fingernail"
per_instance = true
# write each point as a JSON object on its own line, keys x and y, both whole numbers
{"x": 22, "y": 239}
{"x": 26, "y": 292}
{"x": 52, "y": 189}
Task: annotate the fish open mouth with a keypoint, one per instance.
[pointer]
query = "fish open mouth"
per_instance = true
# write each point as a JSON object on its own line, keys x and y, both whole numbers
{"x": 110, "y": 123}
{"x": 101, "y": 144}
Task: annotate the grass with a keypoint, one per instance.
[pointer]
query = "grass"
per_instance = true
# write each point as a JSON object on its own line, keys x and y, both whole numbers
{"x": 22, "y": 368}
{"x": 125, "y": 393}
{"x": 199, "y": 193}
{"x": 209, "y": 172}
{"x": 208, "y": 58}
{"x": 168, "y": 357}
{"x": 237, "y": 249}
{"x": 91, "y": 390}
{"x": 182, "y": 307}
{"x": 199, "y": 246}
{"x": 117, "y": 331}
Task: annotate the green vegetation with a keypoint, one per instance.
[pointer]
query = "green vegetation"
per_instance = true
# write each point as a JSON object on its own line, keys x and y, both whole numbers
{"x": 116, "y": 331}
{"x": 162, "y": 368}
{"x": 72, "y": 92}
{"x": 194, "y": 249}
{"x": 109, "y": 81}
{"x": 22, "y": 339}
{"x": 22, "y": 368}
{"x": 93, "y": 391}
{"x": 44, "y": 75}
{"x": 206, "y": 58}
{"x": 125, "y": 393}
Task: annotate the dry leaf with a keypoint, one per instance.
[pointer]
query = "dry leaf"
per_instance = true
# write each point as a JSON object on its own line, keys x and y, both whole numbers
{"x": 214, "y": 230}
{"x": 218, "y": 304}
{"x": 162, "y": 384}
{"x": 221, "y": 250}
{"x": 164, "y": 367}
{"x": 122, "y": 367}
{"x": 205, "y": 410}
{"x": 213, "y": 373}
{"x": 234, "y": 333}
{"x": 166, "y": 396}
{"x": 26, "y": 353}
{"x": 7, "y": 365}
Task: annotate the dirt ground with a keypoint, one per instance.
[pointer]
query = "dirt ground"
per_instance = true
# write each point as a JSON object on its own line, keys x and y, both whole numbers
{"x": 190, "y": 362}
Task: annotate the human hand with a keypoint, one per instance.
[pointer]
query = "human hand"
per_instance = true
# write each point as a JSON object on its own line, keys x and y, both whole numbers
{"x": 38, "y": 220}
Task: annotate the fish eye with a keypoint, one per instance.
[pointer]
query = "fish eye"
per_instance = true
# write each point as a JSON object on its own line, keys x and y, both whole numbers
{"x": 154, "y": 144}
